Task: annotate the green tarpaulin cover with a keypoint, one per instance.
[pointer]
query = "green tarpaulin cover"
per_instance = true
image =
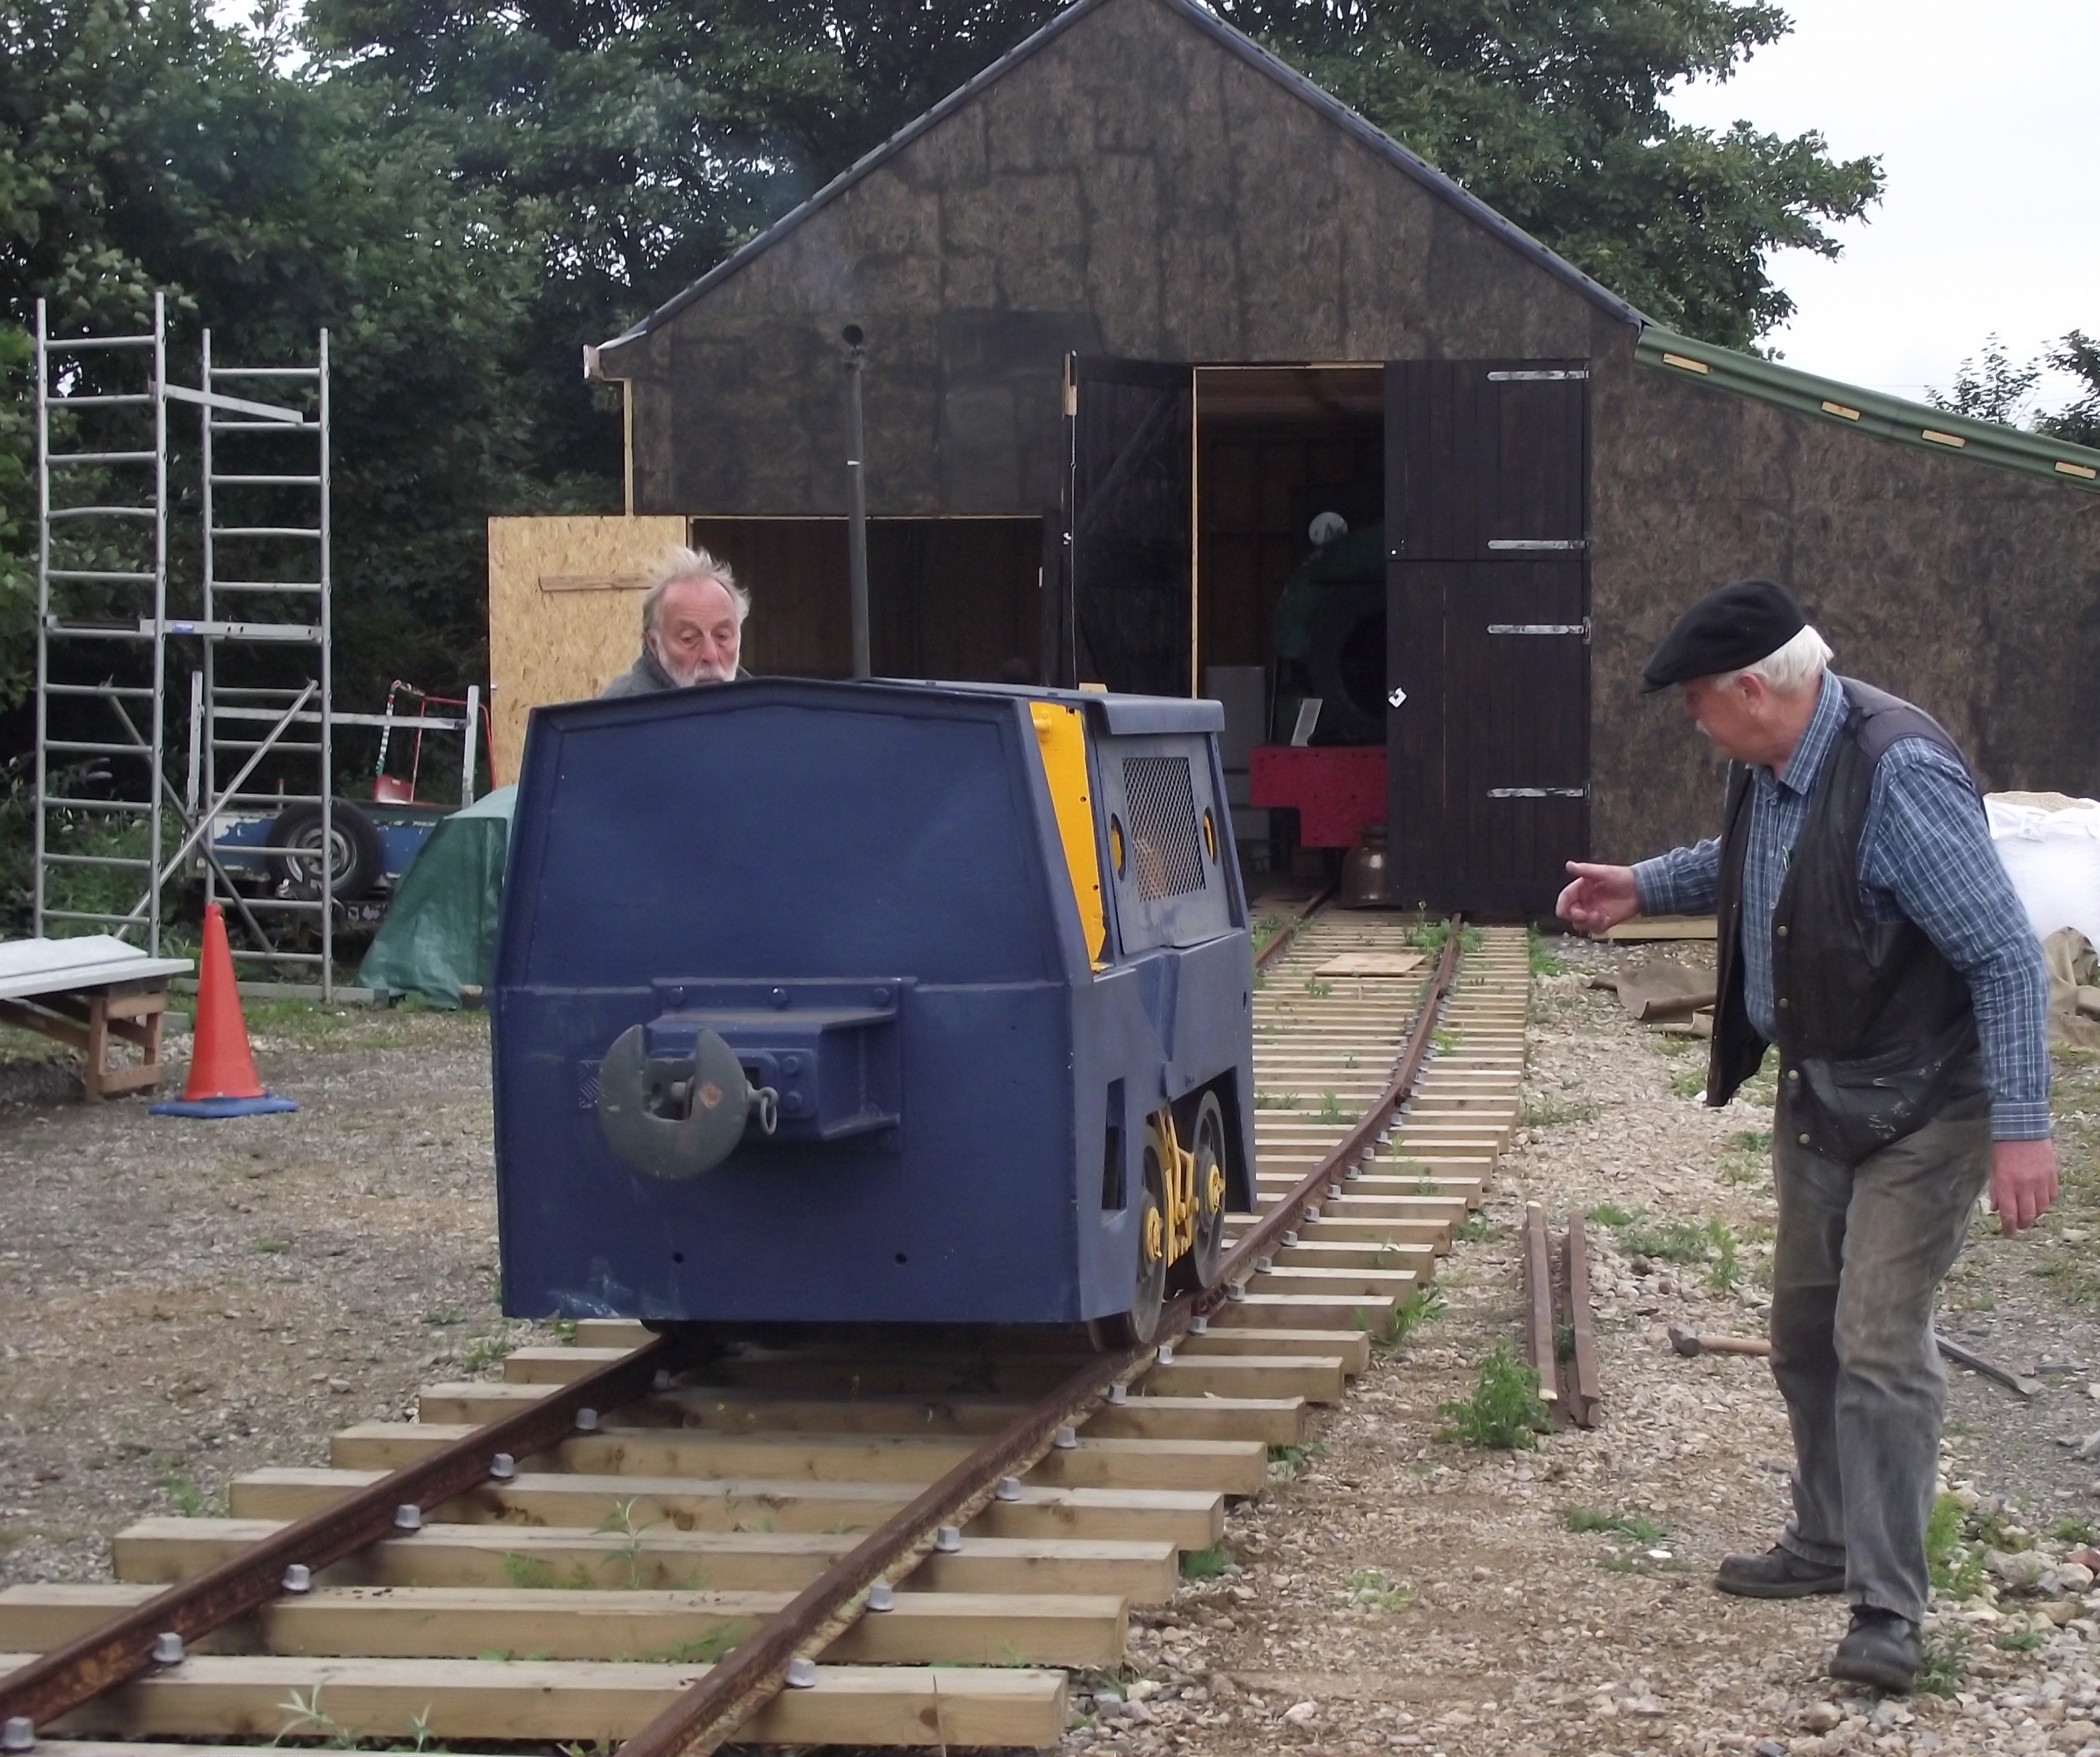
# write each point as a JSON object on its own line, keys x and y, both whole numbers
{"x": 440, "y": 929}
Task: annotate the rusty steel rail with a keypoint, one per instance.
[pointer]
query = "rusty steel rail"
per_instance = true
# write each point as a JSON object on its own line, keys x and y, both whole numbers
{"x": 709, "y": 1713}
{"x": 1288, "y": 932}
{"x": 1259, "y": 1239}
{"x": 154, "y": 1633}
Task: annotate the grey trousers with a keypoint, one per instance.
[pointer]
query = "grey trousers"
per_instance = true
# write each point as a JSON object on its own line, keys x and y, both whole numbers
{"x": 1860, "y": 1252}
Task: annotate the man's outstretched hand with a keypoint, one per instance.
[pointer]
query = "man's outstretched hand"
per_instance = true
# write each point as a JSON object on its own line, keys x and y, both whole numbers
{"x": 1599, "y": 897}
{"x": 2023, "y": 1181}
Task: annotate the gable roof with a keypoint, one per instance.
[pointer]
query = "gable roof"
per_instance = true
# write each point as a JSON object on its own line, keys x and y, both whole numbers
{"x": 1246, "y": 50}
{"x": 1868, "y": 411}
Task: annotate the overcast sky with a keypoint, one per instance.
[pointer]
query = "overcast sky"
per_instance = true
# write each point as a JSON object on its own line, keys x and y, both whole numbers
{"x": 1986, "y": 117}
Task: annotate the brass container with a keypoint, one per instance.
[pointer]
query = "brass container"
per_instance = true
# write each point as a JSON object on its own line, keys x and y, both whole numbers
{"x": 1363, "y": 871}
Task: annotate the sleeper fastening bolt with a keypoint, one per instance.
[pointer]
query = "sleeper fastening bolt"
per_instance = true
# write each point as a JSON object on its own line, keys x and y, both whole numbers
{"x": 1312, "y": 1214}
{"x": 1199, "y": 1325}
{"x": 1009, "y": 1489}
{"x": 1065, "y": 1439}
{"x": 881, "y": 1597}
{"x": 1166, "y": 1353}
{"x": 1263, "y": 1266}
{"x": 297, "y": 1577}
{"x": 408, "y": 1518}
{"x": 801, "y": 1673}
{"x": 18, "y": 1734}
{"x": 1119, "y": 1394}
{"x": 948, "y": 1540}
{"x": 1289, "y": 1236}
{"x": 167, "y": 1648}
{"x": 1236, "y": 1293}
{"x": 1334, "y": 1192}
{"x": 586, "y": 1421}
{"x": 502, "y": 1466}
{"x": 662, "y": 1381}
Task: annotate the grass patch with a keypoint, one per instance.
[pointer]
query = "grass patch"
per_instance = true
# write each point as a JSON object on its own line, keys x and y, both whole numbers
{"x": 1319, "y": 988}
{"x": 1673, "y": 1242}
{"x": 1550, "y": 1111}
{"x": 1748, "y": 1156}
{"x": 1543, "y": 961}
{"x": 1724, "y": 1274}
{"x": 1204, "y": 1564}
{"x": 1374, "y": 1592}
{"x": 1610, "y": 1213}
{"x": 188, "y": 1498}
{"x": 2021, "y": 1641}
{"x": 2074, "y": 1531}
{"x": 1330, "y": 1108}
{"x": 1287, "y": 1461}
{"x": 267, "y": 1247}
{"x": 1504, "y": 1414}
{"x": 1690, "y": 1082}
{"x": 1633, "y": 1528}
{"x": 1265, "y": 930}
{"x": 1421, "y": 1307}
{"x": 1956, "y": 1567}
{"x": 1943, "y": 1660}
{"x": 1475, "y": 1227}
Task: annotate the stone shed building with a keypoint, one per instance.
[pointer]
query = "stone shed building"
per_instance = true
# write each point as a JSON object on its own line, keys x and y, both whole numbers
{"x": 1180, "y": 376}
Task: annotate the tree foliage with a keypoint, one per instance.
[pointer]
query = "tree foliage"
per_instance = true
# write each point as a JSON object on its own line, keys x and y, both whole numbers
{"x": 1993, "y": 387}
{"x": 465, "y": 191}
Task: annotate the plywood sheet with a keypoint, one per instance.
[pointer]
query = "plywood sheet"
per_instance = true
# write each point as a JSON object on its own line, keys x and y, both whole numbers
{"x": 1371, "y": 963}
{"x": 564, "y": 612}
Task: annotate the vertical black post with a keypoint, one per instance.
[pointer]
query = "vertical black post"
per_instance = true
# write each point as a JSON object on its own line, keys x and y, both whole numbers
{"x": 857, "y": 496}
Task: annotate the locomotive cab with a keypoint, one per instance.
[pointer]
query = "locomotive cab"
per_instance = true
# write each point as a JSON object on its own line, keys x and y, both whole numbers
{"x": 871, "y": 1003}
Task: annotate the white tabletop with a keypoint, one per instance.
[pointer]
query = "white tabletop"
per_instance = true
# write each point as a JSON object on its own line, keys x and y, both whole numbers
{"x": 30, "y": 967}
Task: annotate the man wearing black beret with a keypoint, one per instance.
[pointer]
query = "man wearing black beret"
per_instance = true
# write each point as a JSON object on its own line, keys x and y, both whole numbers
{"x": 1869, "y": 932}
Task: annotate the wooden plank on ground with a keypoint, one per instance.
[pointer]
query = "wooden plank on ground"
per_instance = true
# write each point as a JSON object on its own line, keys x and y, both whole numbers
{"x": 469, "y": 1622}
{"x": 247, "y": 1696}
{"x": 165, "y": 1549}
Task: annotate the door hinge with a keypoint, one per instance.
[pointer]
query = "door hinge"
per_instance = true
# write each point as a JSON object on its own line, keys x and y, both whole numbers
{"x": 1580, "y": 628}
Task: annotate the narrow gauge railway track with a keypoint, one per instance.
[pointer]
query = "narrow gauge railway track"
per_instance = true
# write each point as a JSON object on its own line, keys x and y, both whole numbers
{"x": 915, "y": 1536}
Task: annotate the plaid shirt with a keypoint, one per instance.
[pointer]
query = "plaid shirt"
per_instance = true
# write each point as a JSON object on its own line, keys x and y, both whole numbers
{"x": 1925, "y": 854}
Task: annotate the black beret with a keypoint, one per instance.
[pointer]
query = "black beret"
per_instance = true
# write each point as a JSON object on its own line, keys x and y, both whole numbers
{"x": 1726, "y": 630}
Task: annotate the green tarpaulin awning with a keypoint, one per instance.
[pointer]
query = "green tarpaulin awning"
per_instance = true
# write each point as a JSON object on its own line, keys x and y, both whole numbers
{"x": 440, "y": 929}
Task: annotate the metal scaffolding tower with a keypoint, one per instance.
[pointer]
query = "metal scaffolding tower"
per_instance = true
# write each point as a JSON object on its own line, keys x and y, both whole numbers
{"x": 257, "y": 476}
{"x": 102, "y": 623}
{"x": 261, "y": 694}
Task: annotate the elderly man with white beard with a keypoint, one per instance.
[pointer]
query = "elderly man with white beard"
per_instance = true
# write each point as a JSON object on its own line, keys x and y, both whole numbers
{"x": 692, "y": 627}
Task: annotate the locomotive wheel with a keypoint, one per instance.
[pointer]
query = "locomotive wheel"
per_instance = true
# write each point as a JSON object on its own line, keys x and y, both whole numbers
{"x": 1149, "y": 1294}
{"x": 1198, "y": 1270}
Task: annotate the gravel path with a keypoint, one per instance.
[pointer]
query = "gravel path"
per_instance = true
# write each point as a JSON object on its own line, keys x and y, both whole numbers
{"x": 185, "y": 1301}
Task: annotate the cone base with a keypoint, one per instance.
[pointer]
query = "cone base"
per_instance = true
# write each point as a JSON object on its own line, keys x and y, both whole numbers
{"x": 263, "y": 1104}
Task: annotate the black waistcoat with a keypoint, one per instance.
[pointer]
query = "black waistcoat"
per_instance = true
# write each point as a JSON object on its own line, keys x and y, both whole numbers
{"x": 1872, "y": 1023}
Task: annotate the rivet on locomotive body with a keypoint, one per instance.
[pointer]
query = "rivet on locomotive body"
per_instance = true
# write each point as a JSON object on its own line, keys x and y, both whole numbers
{"x": 778, "y": 997}
{"x": 879, "y": 997}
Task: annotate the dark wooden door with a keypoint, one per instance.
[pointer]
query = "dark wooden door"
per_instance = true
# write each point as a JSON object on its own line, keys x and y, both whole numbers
{"x": 1127, "y": 512}
{"x": 1487, "y": 504}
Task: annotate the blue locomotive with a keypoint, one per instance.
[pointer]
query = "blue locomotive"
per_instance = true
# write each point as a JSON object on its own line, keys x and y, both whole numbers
{"x": 871, "y": 1002}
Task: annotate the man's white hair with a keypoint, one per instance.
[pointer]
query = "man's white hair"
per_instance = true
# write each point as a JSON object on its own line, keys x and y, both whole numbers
{"x": 1795, "y": 665}
{"x": 681, "y": 563}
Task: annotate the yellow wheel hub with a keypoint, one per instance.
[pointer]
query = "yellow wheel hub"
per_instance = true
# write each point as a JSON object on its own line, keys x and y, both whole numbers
{"x": 1215, "y": 1190}
{"x": 1155, "y": 1235}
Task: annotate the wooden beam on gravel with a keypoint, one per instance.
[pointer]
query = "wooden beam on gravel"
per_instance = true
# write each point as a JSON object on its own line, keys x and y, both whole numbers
{"x": 1317, "y": 1311}
{"x": 1227, "y": 1467}
{"x": 1273, "y": 1421}
{"x": 1433, "y": 1237}
{"x": 164, "y": 1550}
{"x": 1316, "y": 1378}
{"x": 467, "y": 1622}
{"x": 1351, "y": 1348}
{"x": 1192, "y": 1521}
{"x": 247, "y": 1696}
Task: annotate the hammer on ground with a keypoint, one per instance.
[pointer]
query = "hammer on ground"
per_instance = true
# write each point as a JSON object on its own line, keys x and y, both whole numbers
{"x": 1689, "y": 1341}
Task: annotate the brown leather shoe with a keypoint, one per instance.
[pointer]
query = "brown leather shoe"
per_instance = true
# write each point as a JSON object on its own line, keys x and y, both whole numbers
{"x": 1880, "y": 1648}
{"x": 1778, "y": 1573}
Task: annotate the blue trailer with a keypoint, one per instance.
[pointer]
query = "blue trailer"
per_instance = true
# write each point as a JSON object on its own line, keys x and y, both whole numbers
{"x": 870, "y": 1002}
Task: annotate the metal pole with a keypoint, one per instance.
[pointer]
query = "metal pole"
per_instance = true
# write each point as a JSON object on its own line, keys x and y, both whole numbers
{"x": 43, "y": 612}
{"x": 469, "y": 734}
{"x": 204, "y": 682}
{"x": 158, "y": 730}
{"x": 327, "y": 702}
{"x": 857, "y": 495}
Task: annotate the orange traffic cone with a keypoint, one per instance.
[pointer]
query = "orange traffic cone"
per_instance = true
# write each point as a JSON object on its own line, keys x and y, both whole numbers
{"x": 222, "y": 1070}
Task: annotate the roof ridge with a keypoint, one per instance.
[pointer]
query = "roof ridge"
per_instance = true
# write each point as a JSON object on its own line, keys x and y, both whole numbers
{"x": 1438, "y": 183}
